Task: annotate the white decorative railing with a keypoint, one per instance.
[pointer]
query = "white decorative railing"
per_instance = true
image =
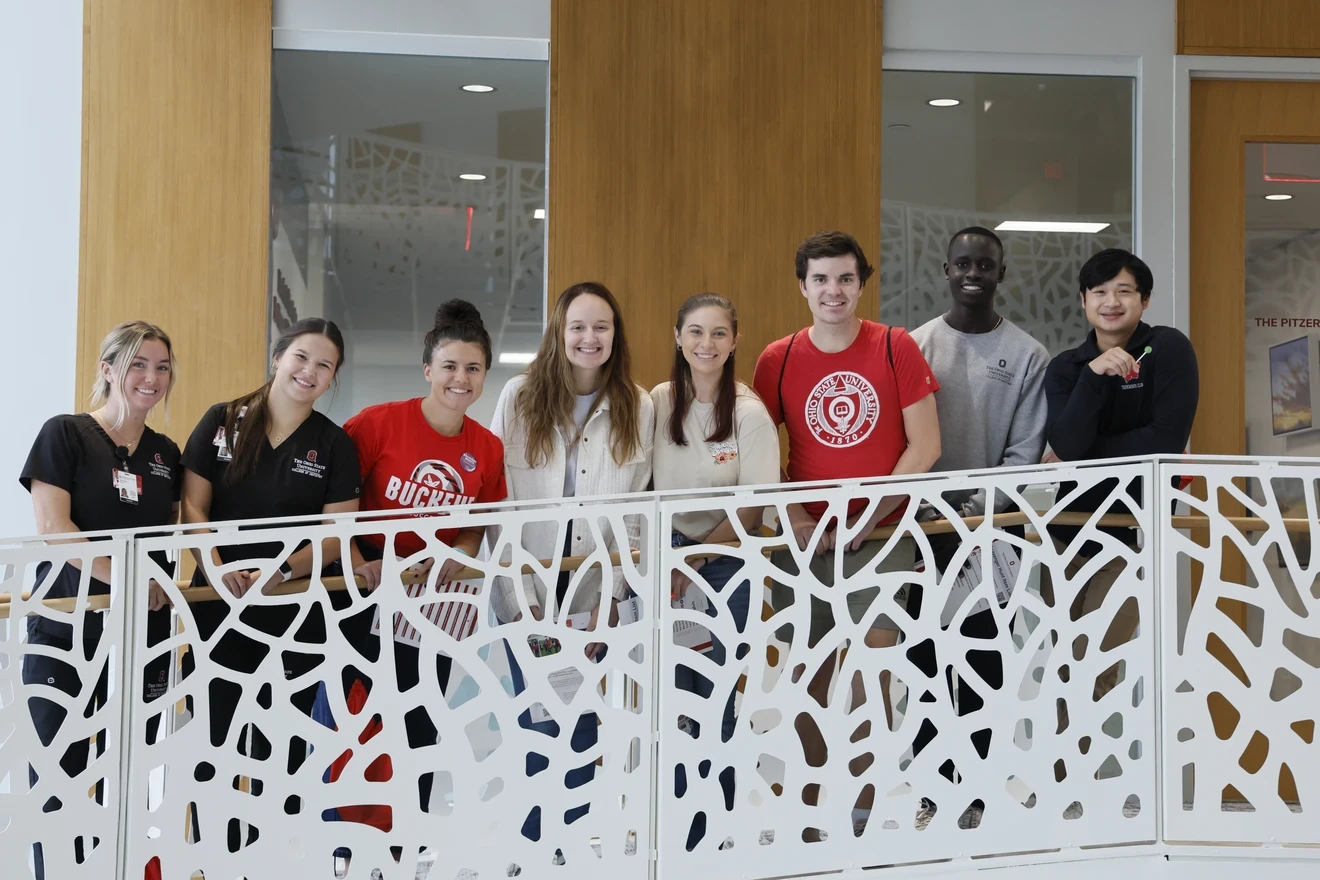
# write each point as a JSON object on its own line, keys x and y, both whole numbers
{"x": 1050, "y": 767}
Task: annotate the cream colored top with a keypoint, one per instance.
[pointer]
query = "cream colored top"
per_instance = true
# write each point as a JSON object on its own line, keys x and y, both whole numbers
{"x": 750, "y": 457}
{"x": 597, "y": 474}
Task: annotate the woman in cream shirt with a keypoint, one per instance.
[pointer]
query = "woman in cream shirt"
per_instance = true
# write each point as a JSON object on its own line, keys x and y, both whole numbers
{"x": 573, "y": 425}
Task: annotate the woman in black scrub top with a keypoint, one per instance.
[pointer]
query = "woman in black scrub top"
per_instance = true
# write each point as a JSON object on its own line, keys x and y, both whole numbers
{"x": 269, "y": 454}
{"x": 92, "y": 472}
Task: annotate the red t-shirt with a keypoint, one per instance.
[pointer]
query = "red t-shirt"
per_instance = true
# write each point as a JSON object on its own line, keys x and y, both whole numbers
{"x": 844, "y": 410}
{"x": 407, "y": 465}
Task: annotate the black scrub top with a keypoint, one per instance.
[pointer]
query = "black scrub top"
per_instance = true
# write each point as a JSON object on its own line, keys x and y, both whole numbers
{"x": 75, "y": 453}
{"x": 316, "y": 465}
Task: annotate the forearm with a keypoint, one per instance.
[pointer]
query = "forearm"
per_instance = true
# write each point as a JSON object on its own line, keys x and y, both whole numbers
{"x": 468, "y": 541}
{"x": 1072, "y": 431}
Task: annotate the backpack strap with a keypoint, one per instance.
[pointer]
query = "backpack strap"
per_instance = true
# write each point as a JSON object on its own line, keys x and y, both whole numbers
{"x": 782, "y": 367}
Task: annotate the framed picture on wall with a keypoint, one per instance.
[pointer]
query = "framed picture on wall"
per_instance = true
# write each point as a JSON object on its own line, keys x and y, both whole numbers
{"x": 1290, "y": 386}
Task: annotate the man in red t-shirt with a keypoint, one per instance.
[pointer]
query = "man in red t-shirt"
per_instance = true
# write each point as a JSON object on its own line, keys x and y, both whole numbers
{"x": 858, "y": 400}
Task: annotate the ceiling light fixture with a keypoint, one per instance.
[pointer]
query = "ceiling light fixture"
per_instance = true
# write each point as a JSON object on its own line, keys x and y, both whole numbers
{"x": 538, "y": 214}
{"x": 1049, "y": 226}
{"x": 1278, "y": 197}
{"x": 517, "y": 357}
{"x": 471, "y": 176}
{"x": 478, "y": 88}
{"x": 944, "y": 102}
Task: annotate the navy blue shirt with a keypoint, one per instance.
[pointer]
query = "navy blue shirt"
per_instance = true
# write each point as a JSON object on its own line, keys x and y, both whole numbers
{"x": 1097, "y": 417}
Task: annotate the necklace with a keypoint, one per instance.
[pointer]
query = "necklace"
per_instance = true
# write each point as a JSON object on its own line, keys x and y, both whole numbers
{"x": 110, "y": 432}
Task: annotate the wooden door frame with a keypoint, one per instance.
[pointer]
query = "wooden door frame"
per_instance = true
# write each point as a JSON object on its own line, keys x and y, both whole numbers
{"x": 1211, "y": 67}
{"x": 1234, "y": 110}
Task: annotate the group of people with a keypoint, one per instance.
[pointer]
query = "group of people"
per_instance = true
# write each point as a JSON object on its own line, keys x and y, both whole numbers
{"x": 967, "y": 390}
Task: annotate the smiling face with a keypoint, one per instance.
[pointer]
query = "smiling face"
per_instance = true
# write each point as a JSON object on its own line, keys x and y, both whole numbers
{"x": 457, "y": 373}
{"x": 832, "y": 288}
{"x": 147, "y": 377}
{"x": 707, "y": 340}
{"x": 588, "y": 333}
{"x": 974, "y": 270}
{"x": 306, "y": 368}
{"x": 1115, "y": 307}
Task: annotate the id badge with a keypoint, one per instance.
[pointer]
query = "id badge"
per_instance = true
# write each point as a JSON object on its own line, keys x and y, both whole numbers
{"x": 129, "y": 486}
{"x": 221, "y": 445}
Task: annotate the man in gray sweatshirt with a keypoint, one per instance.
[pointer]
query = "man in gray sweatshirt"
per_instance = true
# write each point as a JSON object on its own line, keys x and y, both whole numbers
{"x": 991, "y": 406}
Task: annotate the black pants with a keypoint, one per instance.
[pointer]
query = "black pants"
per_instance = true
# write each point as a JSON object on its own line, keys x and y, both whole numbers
{"x": 48, "y": 716}
{"x": 986, "y": 663}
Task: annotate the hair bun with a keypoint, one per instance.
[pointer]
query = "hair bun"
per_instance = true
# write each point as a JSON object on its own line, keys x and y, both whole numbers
{"x": 457, "y": 311}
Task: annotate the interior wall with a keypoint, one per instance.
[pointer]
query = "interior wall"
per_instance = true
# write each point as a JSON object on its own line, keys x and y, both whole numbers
{"x": 745, "y": 144}
{"x": 474, "y": 18}
{"x": 176, "y": 190}
{"x": 41, "y": 59}
{"x": 1249, "y": 27}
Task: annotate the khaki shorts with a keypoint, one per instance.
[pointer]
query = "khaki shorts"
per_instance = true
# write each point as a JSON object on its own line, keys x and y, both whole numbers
{"x": 901, "y": 558}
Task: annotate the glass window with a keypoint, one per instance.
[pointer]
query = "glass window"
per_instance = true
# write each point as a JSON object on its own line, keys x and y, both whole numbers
{"x": 998, "y": 150}
{"x": 393, "y": 189}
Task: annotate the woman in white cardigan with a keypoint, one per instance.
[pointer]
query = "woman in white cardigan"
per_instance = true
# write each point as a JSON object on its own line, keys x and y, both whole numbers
{"x": 573, "y": 425}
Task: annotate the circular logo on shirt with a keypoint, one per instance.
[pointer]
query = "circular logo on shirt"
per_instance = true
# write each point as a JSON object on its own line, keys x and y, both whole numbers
{"x": 468, "y": 462}
{"x": 438, "y": 475}
{"x": 159, "y": 460}
{"x": 842, "y": 409}
{"x": 311, "y": 455}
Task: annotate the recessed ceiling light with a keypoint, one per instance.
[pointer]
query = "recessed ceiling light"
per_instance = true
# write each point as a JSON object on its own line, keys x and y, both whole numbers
{"x": 1049, "y": 226}
{"x": 944, "y": 102}
{"x": 538, "y": 214}
{"x": 478, "y": 87}
{"x": 517, "y": 357}
{"x": 472, "y": 176}
{"x": 1278, "y": 197}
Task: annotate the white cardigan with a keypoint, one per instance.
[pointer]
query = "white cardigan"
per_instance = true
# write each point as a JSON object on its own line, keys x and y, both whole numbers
{"x": 598, "y": 474}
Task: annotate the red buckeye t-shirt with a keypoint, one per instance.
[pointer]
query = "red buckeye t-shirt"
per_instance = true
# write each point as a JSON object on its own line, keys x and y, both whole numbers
{"x": 844, "y": 410}
{"x": 407, "y": 465}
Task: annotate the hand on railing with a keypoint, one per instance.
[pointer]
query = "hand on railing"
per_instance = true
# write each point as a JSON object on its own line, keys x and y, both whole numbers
{"x": 369, "y": 572}
{"x": 157, "y": 597}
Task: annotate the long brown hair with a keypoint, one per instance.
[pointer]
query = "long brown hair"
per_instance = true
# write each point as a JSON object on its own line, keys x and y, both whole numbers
{"x": 545, "y": 400}
{"x": 245, "y": 445}
{"x": 680, "y": 377}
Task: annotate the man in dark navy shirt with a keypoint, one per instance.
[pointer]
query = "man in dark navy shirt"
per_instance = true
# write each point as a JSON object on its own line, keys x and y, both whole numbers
{"x": 1130, "y": 389}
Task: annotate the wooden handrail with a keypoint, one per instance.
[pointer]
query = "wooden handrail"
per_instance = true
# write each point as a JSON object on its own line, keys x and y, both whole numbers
{"x": 191, "y": 594}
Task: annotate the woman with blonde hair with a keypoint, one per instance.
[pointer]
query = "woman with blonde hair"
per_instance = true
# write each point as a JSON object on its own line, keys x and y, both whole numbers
{"x": 574, "y": 424}
{"x": 96, "y": 471}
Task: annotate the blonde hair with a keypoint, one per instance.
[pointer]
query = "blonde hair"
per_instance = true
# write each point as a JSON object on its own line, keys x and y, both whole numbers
{"x": 118, "y": 349}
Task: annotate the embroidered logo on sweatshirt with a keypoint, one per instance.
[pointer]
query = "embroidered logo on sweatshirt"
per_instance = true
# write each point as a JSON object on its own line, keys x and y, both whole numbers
{"x": 842, "y": 409}
{"x": 723, "y": 451}
{"x": 1000, "y": 373}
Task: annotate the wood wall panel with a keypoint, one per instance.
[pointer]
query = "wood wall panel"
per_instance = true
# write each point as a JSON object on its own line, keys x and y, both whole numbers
{"x": 1249, "y": 27}
{"x": 1224, "y": 117}
{"x": 176, "y": 189}
{"x": 695, "y": 143}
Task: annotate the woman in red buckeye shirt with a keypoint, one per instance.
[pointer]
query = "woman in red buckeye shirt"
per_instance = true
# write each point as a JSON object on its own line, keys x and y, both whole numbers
{"x": 426, "y": 453}
{"x": 422, "y": 454}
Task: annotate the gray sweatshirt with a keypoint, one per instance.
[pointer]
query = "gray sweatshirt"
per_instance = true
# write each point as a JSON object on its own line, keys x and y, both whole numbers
{"x": 991, "y": 400}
